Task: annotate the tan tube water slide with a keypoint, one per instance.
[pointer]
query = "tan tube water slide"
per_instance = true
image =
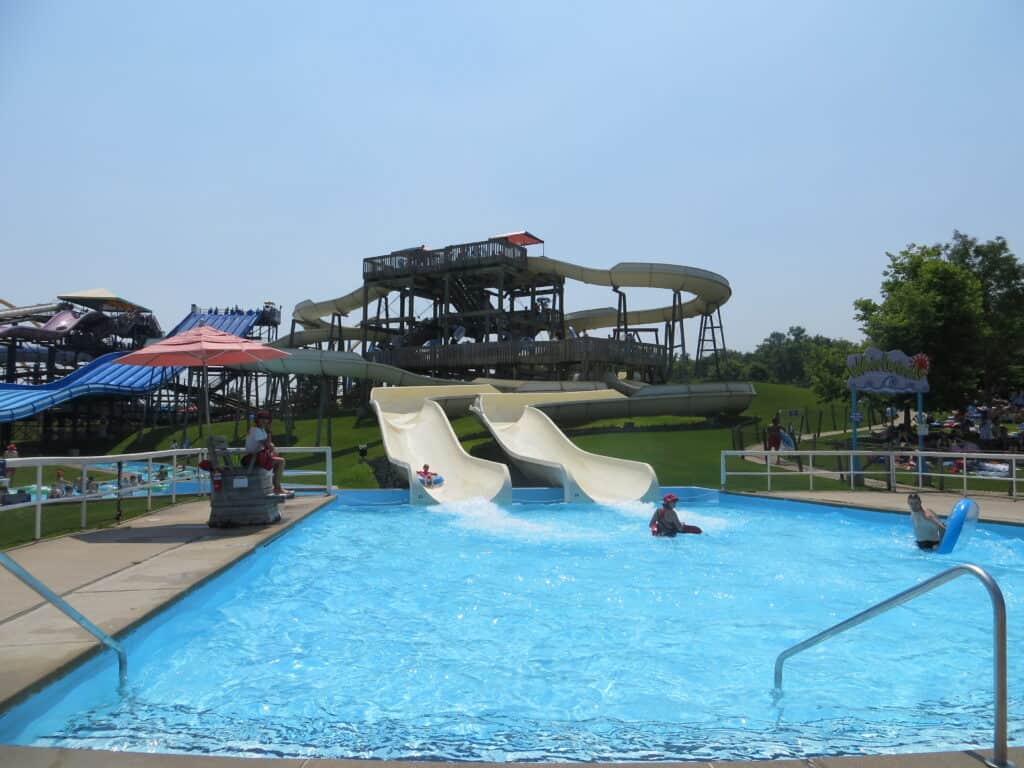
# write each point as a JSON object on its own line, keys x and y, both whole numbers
{"x": 545, "y": 455}
{"x": 416, "y": 431}
{"x": 710, "y": 292}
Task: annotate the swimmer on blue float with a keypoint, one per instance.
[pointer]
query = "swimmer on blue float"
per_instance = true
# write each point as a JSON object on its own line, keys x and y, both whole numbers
{"x": 665, "y": 521}
{"x": 428, "y": 478}
{"x": 928, "y": 528}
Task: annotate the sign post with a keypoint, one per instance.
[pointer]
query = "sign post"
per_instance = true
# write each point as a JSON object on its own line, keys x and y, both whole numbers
{"x": 887, "y": 373}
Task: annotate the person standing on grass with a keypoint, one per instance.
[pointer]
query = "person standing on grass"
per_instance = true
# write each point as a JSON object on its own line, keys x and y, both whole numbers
{"x": 773, "y": 436}
{"x": 11, "y": 453}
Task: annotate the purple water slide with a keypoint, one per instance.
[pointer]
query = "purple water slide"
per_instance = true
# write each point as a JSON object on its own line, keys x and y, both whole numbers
{"x": 58, "y": 326}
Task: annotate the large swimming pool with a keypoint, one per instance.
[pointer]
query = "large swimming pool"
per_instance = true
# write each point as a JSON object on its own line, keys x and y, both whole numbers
{"x": 553, "y": 632}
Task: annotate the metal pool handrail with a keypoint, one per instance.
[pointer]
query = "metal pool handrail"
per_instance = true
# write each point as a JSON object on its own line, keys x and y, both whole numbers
{"x": 58, "y": 602}
{"x": 999, "y": 754}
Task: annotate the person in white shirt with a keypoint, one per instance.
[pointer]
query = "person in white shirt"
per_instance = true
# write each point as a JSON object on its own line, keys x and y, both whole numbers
{"x": 259, "y": 447}
{"x": 928, "y": 527}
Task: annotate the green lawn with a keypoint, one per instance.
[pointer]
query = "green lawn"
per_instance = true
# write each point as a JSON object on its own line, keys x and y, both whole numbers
{"x": 17, "y": 526}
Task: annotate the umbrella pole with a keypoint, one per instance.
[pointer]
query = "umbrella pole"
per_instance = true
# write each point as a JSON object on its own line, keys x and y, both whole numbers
{"x": 206, "y": 395}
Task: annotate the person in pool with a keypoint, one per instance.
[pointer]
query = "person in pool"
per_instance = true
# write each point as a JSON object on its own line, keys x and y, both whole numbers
{"x": 665, "y": 521}
{"x": 928, "y": 528}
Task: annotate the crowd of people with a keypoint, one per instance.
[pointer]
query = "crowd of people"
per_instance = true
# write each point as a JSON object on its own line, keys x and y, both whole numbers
{"x": 997, "y": 427}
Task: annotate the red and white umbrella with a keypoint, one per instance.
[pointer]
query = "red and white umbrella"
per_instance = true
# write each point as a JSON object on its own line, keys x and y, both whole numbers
{"x": 201, "y": 346}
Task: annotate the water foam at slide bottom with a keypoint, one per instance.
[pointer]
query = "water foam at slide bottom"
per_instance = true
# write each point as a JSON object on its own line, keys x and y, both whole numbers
{"x": 483, "y": 515}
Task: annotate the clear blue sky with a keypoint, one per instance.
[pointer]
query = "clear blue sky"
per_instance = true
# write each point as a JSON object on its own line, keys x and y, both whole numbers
{"x": 231, "y": 152}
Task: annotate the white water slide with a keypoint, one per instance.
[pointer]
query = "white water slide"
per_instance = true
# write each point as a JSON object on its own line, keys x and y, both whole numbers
{"x": 545, "y": 455}
{"x": 416, "y": 431}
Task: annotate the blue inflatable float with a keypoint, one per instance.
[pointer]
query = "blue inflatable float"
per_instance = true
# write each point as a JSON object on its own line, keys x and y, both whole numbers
{"x": 787, "y": 441}
{"x": 959, "y": 526}
{"x": 438, "y": 480}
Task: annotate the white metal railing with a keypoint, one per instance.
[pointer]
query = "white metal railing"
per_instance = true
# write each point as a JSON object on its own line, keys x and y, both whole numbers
{"x": 890, "y": 467}
{"x": 82, "y": 491}
{"x": 327, "y": 473}
{"x": 999, "y": 752}
{"x": 64, "y": 607}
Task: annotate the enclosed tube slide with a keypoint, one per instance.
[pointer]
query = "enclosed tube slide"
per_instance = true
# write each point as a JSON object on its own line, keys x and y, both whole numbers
{"x": 316, "y": 362}
{"x": 544, "y": 454}
{"x": 710, "y": 291}
{"x": 416, "y": 431}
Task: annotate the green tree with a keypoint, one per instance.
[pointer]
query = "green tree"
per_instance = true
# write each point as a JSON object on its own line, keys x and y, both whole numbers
{"x": 931, "y": 304}
{"x": 826, "y": 368}
{"x": 784, "y": 356}
{"x": 1002, "y": 300}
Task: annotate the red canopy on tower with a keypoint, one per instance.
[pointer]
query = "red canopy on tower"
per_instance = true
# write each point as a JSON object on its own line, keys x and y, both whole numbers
{"x": 519, "y": 238}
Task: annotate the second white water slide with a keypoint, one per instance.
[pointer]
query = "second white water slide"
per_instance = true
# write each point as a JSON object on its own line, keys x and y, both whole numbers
{"x": 544, "y": 454}
{"x": 416, "y": 431}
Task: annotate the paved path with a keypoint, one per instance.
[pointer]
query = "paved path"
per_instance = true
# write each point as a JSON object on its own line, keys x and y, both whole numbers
{"x": 994, "y": 509}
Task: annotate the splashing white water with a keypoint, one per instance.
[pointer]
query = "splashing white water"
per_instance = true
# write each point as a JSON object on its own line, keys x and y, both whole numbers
{"x": 706, "y": 522}
{"x": 636, "y": 509}
{"x": 483, "y": 515}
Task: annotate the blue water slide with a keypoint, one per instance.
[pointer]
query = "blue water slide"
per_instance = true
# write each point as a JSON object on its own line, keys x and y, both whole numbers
{"x": 238, "y": 324}
{"x": 103, "y": 376}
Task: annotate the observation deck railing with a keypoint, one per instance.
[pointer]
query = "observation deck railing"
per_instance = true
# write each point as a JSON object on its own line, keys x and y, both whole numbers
{"x": 463, "y": 256}
{"x": 523, "y": 352}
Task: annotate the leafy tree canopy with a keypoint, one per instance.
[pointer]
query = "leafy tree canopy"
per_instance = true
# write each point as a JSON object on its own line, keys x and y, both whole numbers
{"x": 960, "y": 304}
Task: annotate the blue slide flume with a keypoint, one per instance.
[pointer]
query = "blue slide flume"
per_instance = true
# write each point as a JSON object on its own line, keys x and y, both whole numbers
{"x": 103, "y": 376}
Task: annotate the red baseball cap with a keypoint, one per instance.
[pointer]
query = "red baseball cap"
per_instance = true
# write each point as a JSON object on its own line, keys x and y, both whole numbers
{"x": 670, "y": 497}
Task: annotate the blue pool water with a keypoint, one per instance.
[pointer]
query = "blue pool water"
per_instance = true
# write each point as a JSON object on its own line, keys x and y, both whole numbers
{"x": 554, "y": 632}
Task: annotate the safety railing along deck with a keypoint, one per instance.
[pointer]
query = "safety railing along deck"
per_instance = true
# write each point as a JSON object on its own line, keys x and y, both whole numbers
{"x": 943, "y": 470}
{"x": 999, "y": 750}
{"x": 60, "y": 604}
{"x": 123, "y": 476}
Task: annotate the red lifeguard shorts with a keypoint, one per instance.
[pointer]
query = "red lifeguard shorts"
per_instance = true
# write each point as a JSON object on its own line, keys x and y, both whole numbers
{"x": 264, "y": 459}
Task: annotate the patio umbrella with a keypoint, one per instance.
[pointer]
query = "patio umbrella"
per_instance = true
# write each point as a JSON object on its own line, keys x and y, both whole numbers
{"x": 201, "y": 346}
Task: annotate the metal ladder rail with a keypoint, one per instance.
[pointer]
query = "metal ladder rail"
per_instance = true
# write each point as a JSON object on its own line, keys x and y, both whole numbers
{"x": 58, "y": 602}
{"x": 999, "y": 754}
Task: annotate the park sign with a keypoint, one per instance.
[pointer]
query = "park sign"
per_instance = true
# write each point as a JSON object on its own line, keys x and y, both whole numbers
{"x": 888, "y": 373}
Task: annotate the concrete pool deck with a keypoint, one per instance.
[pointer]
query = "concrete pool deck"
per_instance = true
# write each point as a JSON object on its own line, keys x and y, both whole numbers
{"x": 117, "y": 577}
{"x": 992, "y": 508}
